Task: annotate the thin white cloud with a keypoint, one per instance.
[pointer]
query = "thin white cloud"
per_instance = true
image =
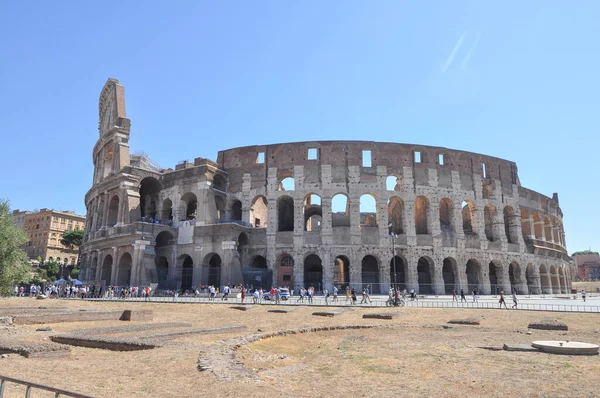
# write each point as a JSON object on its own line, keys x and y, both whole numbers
{"x": 454, "y": 51}
{"x": 468, "y": 56}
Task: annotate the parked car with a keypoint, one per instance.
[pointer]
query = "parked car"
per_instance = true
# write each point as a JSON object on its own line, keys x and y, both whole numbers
{"x": 284, "y": 293}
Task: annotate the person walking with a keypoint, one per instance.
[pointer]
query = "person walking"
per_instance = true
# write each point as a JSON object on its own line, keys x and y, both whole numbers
{"x": 226, "y": 291}
{"x": 335, "y": 294}
{"x": 583, "y": 295}
{"x": 277, "y": 295}
{"x": 347, "y": 293}
{"x": 462, "y": 296}
{"x": 326, "y": 295}
{"x": 454, "y": 298}
{"x": 502, "y": 301}
{"x": 353, "y": 296}
{"x": 243, "y": 293}
{"x": 514, "y": 297}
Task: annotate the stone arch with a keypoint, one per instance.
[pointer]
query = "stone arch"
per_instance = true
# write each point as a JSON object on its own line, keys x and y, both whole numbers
{"x": 313, "y": 271}
{"x": 149, "y": 190}
{"x": 167, "y": 210}
{"x": 220, "y": 209}
{"x": 113, "y": 211}
{"x": 489, "y": 214}
{"x": 162, "y": 272}
{"x": 124, "y": 269}
{"x": 396, "y": 215}
{"x": 242, "y": 240}
{"x": 285, "y": 270}
{"x": 164, "y": 238}
{"x": 515, "y": 276}
{"x": 545, "y": 281}
{"x": 258, "y": 262}
{"x": 287, "y": 184}
{"x": 425, "y": 268}
{"x": 341, "y": 272}
{"x": 236, "y": 210}
{"x": 511, "y": 225}
{"x": 421, "y": 210}
{"x": 370, "y": 273}
{"x": 446, "y": 215}
{"x": 563, "y": 280}
{"x": 92, "y": 272}
{"x": 525, "y": 224}
{"x": 469, "y": 217}
{"x": 313, "y": 212}
{"x": 189, "y": 204}
{"x": 495, "y": 275}
{"x": 450, "y": 275}
{"x": 106, "y": 272}
{"x": 187, "y": 271}
{"x": 537, "y": 226}
{"x": 547, "y": 230}
{"x": 259, "y": 212}
{"x": 474, "y": 275}
{"x": 401, "y": 270}
{"x": 285, "y": 213}
{"x": 340, "y": 210}
{"x": 554, "y": 280}
{"x": 213, "y": 261}
{"x": 368, "y": 210}
{"x": 393, "y": 183}
{"x": 219, "y": 183}
{"x": 532, "y": 285}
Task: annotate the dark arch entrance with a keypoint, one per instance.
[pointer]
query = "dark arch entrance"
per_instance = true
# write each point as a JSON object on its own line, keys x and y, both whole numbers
{"x": 107, "y": 269}
{"x": 424, "y": 270}
{"x": 259, "y": 262}
{"x": 187, "y": 272}
{"x": 214, "y": 270}
{"x": 162, "y": 271}
{"x": 124, "y": 270}
{"x": 400, "y": 272}
{"x": 449, "y": 275}
{"x": 495, "y": 289}
{"x": 341, "y": 271}
{"x": 313, "y": 272}
{"x": 370, "y": 274}
{"x": 473, "y": 275}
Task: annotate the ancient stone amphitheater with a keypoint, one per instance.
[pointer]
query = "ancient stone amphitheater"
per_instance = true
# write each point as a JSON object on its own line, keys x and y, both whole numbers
{"x": 318, "y": 213}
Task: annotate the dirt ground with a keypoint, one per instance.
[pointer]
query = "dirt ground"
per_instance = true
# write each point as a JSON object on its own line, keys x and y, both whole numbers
{"x": 413, "y": 356}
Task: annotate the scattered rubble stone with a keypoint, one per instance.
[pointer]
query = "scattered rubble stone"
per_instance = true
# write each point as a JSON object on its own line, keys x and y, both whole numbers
{"x": 380, "y": 316}
{"x": 548, "y": 324}
{"x": 33, "y": 350}
{"x": 326, "y": 313}
{"x": 44, "y": 329}
{"x": 467, "y": 321}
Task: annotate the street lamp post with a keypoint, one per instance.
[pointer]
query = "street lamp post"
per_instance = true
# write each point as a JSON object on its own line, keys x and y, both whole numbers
{"x": 393, "y": 236}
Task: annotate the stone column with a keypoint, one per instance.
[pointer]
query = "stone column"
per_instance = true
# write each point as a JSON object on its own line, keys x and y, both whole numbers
{"x": 457, "y": 221}
{"x": 438, "y": 277}
{"x": 433, "y": 219}
{"x": 382, "y": 217}
{"x": 412, "y": 276}
{"x": 298, "y": 272}
{"x": 543, "y": 233}
{"x": 120, "y": 208}
{"x": 409, "y": 220}
{"x": 105, "y": 210}
{"x": 355, "y": 232}
{"x": 115, "y": 266}
{"x": 299, "y": 217}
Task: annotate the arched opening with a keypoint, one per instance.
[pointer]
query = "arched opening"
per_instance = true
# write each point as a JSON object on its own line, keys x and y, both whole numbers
{"x": 100, "y": 216}
{"x": 393, "y": 183}
{"x": 187, "y": 272}
{"x": 510, "y": 225}
{"x": 189, "y": 202}
{"x": 424, "y": 267}
{"x": 554, "y": 280}
{"x": 547, "y": 230}
{"x": 514, "y": 276}
{"x": 421, "y": 210}
{"x": 368, "y": 211}
{"x": 285, "y": 214}
{"x": 563, "y": 280}
{"x": 287, "y": 184}
{"x": 219, "y": 183}
{"x": 242, "y": 240}
{"x": 107, "y": 269}
{"x": 370, "y": 274}
{"x": 341, "y": 272}
{"x": 149, "y": 190}
{"x": 165, "y": 238}
{"x": 489, "y": 213}
{"x": 220, "y": 209}
{"x": 167, "y": 210}
{"x": 124, "y": 270}
{"x": 236, "y": 210}
{"x": 537, "y": 226}
{"x": 492, "y": 272}
{"x": 285, "y": 272}
{"x": 214, "y": 269}
{"x": 446, "y": 215}
{"x": 449, "y": 273}
{"x": 340, "y": 211}
{"x": 313, "y": 272}
{"x": 162, "y": 272}
{"x": 396, "y": 215}
{"x": 545, "y": 280}
{"x": 398, "y": 272}
{"x": 469, "y": 215}
{"x": 474, "y": 276}
{"x": 530, "y": 277}
{"x": 258, "y": 212}
{"x": 313, "y": 213}
{"x": 525, "y": 224}
{"x": 113, "y": 211}
{"x": 259, "y": 262}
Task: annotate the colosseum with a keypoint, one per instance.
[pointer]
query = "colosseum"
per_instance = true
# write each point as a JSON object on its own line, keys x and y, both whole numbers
{"x": 318, "y": 213}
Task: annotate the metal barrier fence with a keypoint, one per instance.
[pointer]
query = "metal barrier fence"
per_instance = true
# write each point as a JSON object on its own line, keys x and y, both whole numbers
{"x": 29, "y": 386}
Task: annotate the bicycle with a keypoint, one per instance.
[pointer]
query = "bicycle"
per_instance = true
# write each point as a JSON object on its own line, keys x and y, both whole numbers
{"x": 393, "y": 303}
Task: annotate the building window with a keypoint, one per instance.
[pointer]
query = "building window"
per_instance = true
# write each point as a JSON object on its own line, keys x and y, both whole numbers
{"x": 441, "y": 159}
{"x": 417, "y": 157}
{"x": 366, "y": 158}
{"x": 313, "y": 153}
{"x": 260, "y": 158}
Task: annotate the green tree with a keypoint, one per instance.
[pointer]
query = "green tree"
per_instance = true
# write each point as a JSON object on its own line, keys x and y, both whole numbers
{"x": 75, "y": 273}
{"x": 72, "y": 239}
{"x": 14, "y": 267}
{"x": 53, "y": 269}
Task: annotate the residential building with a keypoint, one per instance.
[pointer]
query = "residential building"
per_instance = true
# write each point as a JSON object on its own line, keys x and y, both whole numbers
{"x": 46, "y": 228}
{"x": 19, "y": 216}
{"x": 588, "y": 265}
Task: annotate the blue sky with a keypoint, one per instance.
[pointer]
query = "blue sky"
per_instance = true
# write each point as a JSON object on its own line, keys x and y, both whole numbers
{"x": 516, "y": 80}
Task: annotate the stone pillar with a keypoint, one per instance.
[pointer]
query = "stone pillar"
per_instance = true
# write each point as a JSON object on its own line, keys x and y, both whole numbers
{"x": 479, "y": 226}
{"x": 457, "y": 221}
{"x": 326, "y": 220}
{"x": 546, "y": 284}
{"x": 115, "y": 266}
{"x": 412, "y": 276}
{"x": 299, "y": 217}
{"x": 105, "y": 210}
{"x": 433, "y": 219}
{"x": 543, "y": 233}
{"x": 298, "y": 272}
{"x": 484, "y": 284}
{"x": 327, "y": 264}
{"x": 355, "y": 232}
{"x": 409, "y": 220}
{"x": 438, "y": 277}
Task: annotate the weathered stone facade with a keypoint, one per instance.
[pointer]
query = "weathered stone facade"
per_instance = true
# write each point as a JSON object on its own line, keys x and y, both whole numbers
{"x": 459, "y": 219}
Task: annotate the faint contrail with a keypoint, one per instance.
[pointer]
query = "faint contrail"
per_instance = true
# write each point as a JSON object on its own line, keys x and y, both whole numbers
{"x": 468, "y": 56}
{"x": 454, "y": 51}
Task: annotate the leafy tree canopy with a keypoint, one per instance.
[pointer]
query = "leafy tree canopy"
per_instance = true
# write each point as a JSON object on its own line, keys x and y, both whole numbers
{"x": 72, "y": 239}
{"x": 14, "y": 267}
{"x": 53, "y": 269}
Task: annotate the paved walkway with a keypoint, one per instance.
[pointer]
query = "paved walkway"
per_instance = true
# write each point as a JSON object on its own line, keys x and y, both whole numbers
{"x": 562, "y": 303}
